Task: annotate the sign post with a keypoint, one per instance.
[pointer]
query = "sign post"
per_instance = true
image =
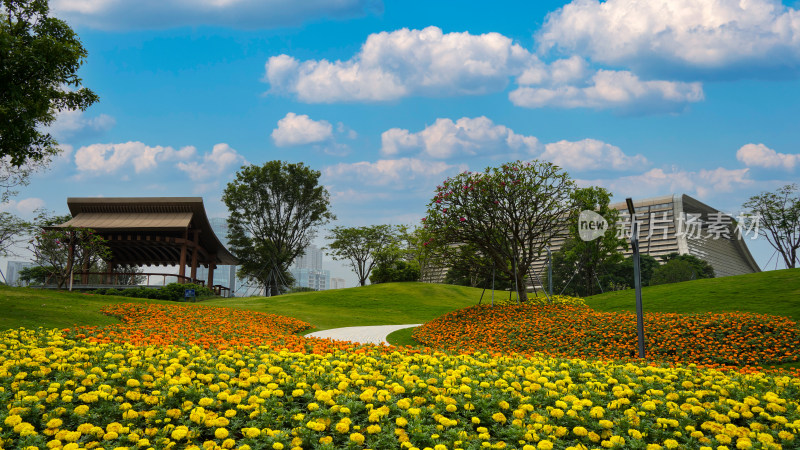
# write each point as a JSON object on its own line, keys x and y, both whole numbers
{"x": 189, "y": 293}
{"x": 637, "y": 276}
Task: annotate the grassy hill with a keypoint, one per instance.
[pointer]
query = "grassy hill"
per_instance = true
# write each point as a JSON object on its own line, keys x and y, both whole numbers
{"x": 774, "y": 292}
{"x": 383, "y": 304}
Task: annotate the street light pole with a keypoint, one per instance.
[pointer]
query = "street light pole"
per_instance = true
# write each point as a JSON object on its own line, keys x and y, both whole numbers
{"x": 637, "y": 276}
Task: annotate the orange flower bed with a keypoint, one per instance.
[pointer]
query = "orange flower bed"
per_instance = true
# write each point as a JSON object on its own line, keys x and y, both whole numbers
{"x": 207, "y": 327}
{"x": 731, "y": 339}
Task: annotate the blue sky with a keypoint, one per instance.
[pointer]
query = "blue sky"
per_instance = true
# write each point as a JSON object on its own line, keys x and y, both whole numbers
{"x": 387, "y": 99}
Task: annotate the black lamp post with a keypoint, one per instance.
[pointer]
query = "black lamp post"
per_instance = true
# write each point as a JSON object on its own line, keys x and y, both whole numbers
{"x": 637, "y": 276}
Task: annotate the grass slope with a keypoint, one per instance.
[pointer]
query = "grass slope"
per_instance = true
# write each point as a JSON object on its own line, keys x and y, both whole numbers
{"x": 380, "y": 304}
{"x": 775, "y": 292}
{"x": 383, "y": 304}
{"x": 31, "y": 308}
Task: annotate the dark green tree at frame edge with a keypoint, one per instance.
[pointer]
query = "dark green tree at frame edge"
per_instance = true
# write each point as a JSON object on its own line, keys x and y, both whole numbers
{"x": 274, "y": 209}
{"x": 39, "y": 61}
{"x": 509, "y": 213}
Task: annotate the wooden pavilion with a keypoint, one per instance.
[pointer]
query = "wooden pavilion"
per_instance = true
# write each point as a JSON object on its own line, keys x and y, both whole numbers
{"x": 154, "y": 231}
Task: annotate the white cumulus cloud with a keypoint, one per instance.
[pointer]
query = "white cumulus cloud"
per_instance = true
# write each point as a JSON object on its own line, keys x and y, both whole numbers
{"x": 301, "y": 130}
{"x": 703, "y": 183}
{"x": 110, "y": 158}
{"x": 590, "y": 154}
{"x": 74, "y": 122}
{"x": 401, "y": 63}
{"x": 220, "y": 161}
{"x": 148, "y": 14}
{"x": 621, "y": 90}
{"x": 466, "y": 136}
{"x": 666, "y": 36}
{"x": 396, "y": 174}
{"x": 759, "y": 155}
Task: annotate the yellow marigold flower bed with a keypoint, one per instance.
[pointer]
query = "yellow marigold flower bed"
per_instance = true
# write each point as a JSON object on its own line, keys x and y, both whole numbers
{"x": 60, "y": 392}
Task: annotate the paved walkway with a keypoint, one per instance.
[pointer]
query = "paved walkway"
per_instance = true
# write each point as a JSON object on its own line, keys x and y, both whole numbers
{"x": 364, "y": 335}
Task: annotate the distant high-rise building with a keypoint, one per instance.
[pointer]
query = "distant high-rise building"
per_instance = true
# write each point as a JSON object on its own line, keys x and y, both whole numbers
{"x": 12, "y": 272}
{"x": 311, "y": 259}
{"x": 308, "y": 272}
{"x": 337, "y": 283}
{"x": 223, "y": 275}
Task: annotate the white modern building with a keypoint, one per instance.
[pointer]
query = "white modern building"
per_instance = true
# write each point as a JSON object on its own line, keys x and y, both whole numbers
{"x": 308, "y": 272}
{"x": 337, "y": 283}
{"x": 13, "y": 268}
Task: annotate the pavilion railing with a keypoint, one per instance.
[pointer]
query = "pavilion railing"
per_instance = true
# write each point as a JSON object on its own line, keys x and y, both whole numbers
{"x": 89, "y": 280}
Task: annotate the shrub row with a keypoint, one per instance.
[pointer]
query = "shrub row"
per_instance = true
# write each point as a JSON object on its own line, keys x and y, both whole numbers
{"x": 173, "y": 292}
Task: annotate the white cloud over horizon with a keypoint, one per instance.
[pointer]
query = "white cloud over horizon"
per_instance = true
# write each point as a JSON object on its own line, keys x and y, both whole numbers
{"x": 249, "y": 14}
{"x": 759, "y": 155}
{"x": 704, "y": 183}
{"x": 665, "y": 37}
{"x": 296, "y": 129}
{"x": 590, "y": 154}
{"x": 608, "y": 89}
{"x": 466, "y": 136}
{"x": 447, "y": 139}
{"x": 395, "y": 174}
{"x": 110, "y": 158}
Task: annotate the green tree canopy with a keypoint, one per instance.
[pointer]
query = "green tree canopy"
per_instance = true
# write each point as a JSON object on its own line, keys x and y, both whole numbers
{"x": 700, "y": 268}
{"x": 274, "y": 210}
{"x": 779, "y": 221}
{"x": 39, "y": 60}
{"x": 584, "y": 268}
{"x": 508, "y": 213}
{"x": 363, "y": 247}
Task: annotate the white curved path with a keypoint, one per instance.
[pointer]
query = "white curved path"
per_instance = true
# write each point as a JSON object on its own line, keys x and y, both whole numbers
{"x": 363, "y": 335}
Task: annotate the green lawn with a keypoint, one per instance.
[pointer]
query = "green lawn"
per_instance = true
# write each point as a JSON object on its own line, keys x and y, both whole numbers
{"x": 774, "y": 292}
{"x": 383, "y": 304}
{"x": 31, "y": 308}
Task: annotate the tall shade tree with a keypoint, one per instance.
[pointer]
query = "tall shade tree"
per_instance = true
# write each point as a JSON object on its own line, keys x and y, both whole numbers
{"x": 508, "y": 213}
{"x": 39, "y": 60}
{"x": 362, "y": 246}
{"x": 779, "y": 221}
{"x": 274, "y": 210}
{"x": 583, "y": 267}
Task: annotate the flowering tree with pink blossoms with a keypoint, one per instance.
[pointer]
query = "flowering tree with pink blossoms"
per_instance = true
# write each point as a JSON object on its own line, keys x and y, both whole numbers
{"x": 508, "y": 213}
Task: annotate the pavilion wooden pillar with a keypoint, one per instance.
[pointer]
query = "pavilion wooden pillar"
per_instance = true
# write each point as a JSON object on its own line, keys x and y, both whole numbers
{"x": 212, "y": 264}
{"x": 109, "y": 270}
{"x": 182, "y": 264}
{"x": 194, "y": 254}
{"x": 70, "y": 257}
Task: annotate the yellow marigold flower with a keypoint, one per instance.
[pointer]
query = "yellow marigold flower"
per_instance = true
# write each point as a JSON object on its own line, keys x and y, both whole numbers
{"x": 607, "y": 424}
{"x": 13, "y": 420}
{"x": 343, "y": 427}
{"x": 556, "y": 413}
{"x": 401, "y": 421}
{"x": 499, "y": 417}
{"x": 54, "y": 423}
{"x": 596, "y": 412}
{"x": 110, "y": 436}
{"x": 132, "y": 383}
{"x": 544, "y": 445}
{"x": 325, "y": 440}
{"x": 358, "y": 438}
{"x": 179, "y": 433}
{"x": 81, "y": 410}
{"x": 580, "y": 431}
{"x": 671, "y": 443}
{"x": 277, "y": 446}
{"x": 220, "y": 433}
{"x": 373, "y": 429}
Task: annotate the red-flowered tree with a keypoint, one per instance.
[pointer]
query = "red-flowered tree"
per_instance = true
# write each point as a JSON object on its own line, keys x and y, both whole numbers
{"x": 508, "y": 213}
